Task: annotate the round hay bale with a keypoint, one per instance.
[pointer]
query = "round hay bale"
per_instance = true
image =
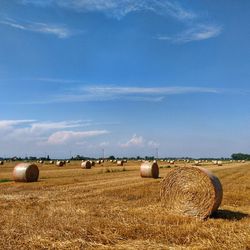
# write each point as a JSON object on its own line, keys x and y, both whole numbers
{"x": 68, "y": 161}
{"x": 171, "y": 162}
{"x": 219, "y": 163}
{"x": 197, "y": 163}
{"x": 192, "y": 191}
{"x": 149, "y": 169}
{"x": 41, "y": 162}
{"x": 59, "y": 163}
{"x": 25, "y": 172}
{"x": 86, "y": 165}
{"x": 98, "y": 162}
{"x": 92, "y": 163}
{"x": 119, "y": 163}
{"x": 51, "y": 162}
{"x": 1, "y": 162}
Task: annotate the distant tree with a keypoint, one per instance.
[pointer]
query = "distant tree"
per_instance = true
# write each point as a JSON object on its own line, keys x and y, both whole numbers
{"x": 240, "y": 156}
{"x": 111, "y": 157}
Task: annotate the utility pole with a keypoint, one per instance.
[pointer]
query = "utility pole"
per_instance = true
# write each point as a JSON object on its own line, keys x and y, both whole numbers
{"x": 157, "y": 151}
{"x": 103, "y": 153}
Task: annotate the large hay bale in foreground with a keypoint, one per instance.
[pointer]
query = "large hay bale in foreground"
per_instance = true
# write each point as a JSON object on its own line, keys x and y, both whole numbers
{"x": 26, "y": 172}
{"x": 86, "y": 165}
{"x": 149, "y": 169}
{"x": 191, "y": 191}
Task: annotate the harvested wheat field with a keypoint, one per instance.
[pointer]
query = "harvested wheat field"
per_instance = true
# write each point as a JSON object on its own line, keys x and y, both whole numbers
{"x": 111, "y": 207}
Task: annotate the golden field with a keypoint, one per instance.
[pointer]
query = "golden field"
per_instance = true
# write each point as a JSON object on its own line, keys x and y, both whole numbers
{"x": 110, "y": 207}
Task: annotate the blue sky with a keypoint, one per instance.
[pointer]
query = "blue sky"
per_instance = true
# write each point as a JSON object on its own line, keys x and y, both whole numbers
{"x": 128, "y": 76}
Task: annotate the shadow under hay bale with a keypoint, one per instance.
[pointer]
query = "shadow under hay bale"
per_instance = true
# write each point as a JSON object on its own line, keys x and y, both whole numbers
{"x": 26, "y": 172}
{"x": 229, "y": 215}
{"x": 191, "y": 191}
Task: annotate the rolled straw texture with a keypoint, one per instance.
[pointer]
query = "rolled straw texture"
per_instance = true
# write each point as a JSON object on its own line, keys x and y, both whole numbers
{"x": 192, "y": 191}
{"x": 26, "y": 172}
{"x": 149, "y": 169}
{"x": 86, "y": 164}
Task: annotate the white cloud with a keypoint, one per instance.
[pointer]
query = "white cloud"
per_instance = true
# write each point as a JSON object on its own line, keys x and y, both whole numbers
{"x": 7, "y": 124}
{"x": 197, "y": 33}
{"x": 120, "y": 8}
{"x": 139, "y": 141}
{"x": 153, "y": 144}
{"x": 62, "y": 137}
{"x": 134, "y": 141}
{"x": 59, "y": 31}
{"x": 145, "y": 94}
{"x": 104, "y": 144}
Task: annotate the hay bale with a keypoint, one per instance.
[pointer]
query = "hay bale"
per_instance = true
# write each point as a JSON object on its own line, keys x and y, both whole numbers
{"x": 119, "y": 163}
{"x": 41, "y": 161}
{"x": 1, "y": 162}
{"x": 25, "y": 172}
{"x": 149, "y": 169}
{"x": 59, "y": 163}
{"x": 172, "y": 162}
{"x": 68, "y": 161}
{"x": 51, "y": 162}
{"x": 98, "y": 162}
{"x": 192, "y": 191}
{"x": 92, "y": 163}
{"x": 197, "y": 163}
{"x": 219, "y": 163}
{"x": 86, "y": 165}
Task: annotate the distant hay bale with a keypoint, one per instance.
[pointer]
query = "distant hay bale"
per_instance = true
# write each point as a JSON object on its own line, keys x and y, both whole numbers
{"x": 125, "y": 161}
{"x": 149, "y": 169}
{"x": 219, "y": 163}
{"x": 197, "y": 163}
{"x": 41, "y": 161}
{"x": 86, "y": 165}
{"x": 119, "y": 163}
{"x": 51, "y": 162}
{"x": 192, "y": 191}
{"x": 98, "y": 162}
{"x": 68, "y": 161}
{"x": 25, "y": 172}
{"x": 171, "y": 162}
{"x": 1, "y": 162}
{"x": 92, "y": 163}
{"x": 60, "y": 163}
{"x": 243, "y": 161}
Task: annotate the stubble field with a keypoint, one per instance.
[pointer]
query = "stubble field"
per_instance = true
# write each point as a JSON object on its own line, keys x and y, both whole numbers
{"x": 110, "y": 207}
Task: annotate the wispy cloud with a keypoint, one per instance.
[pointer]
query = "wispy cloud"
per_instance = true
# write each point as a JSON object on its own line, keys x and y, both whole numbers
{"x": 145, "y": 94}
{"x": 139, "y": 141}
{"x": 135, "y": 141}
{"x": 60, "y": 31}
{"x": 197, "y": 33}
{"x": 120, "y": 8}
{"x": 5, "y": 124}
{"x": 62, "y": 137}
{"x": 38, "y": 134}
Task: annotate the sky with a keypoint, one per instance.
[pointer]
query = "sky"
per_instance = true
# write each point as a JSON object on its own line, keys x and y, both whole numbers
{"x": 126, "y": 76}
